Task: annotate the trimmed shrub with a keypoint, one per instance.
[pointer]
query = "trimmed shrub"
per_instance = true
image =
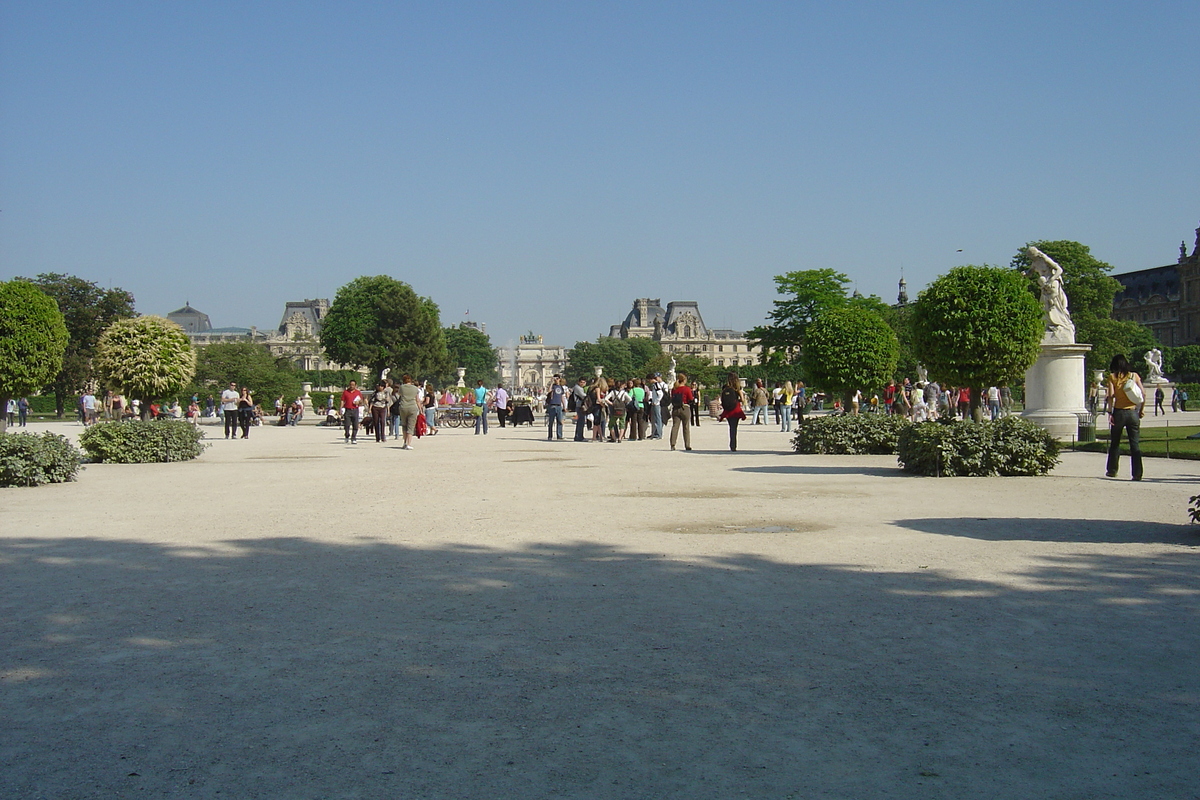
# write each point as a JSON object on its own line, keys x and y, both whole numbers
{"x": 1008, "y": 446}
{"x": 849, "y": 435}
{"x": 30, "y": 459}
{"x": 137, "y": 442}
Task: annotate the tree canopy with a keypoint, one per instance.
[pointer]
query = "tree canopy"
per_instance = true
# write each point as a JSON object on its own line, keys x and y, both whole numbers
{"x": 621, "y": 358}
{"x": 470, "y": 348}
{"x": 977, "y": 327}
{"x": 249, "y": 364}
{"x": 807, "y": 294}
{"x": 147, "y": 358}
{"x": 380, "y": 323}
{"x": 87, "y": 310}
{"x": 849, "y": 348}
{"x": 33, "y": 339}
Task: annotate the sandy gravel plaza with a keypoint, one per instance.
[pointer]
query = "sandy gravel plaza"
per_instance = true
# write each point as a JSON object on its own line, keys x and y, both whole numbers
{"x": 507, "y": 617}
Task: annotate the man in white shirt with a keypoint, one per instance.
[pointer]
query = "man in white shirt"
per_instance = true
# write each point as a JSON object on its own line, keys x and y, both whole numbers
{"x": 501, "y": 401}
{"x": 229, "y": 401}
{"x": 89, "y": 409}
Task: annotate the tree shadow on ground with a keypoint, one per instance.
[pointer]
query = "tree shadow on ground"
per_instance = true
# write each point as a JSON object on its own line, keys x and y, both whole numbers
{"x": 828, "y": 469}
{"x": 298, "y": 668}
{"x": 1100, "y": 531}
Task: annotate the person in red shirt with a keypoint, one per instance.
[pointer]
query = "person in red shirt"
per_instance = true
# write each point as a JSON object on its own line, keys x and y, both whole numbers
{"x": 352, "y": 401}
{"x": 681, "y": 415}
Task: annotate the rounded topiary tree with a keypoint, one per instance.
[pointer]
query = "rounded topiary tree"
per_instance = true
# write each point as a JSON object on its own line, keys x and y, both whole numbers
{"x": 33, "y": 338}
{"x": 977, "y": 327}
{"x": 145, "y": 357}
{"x": 849, "y": 348}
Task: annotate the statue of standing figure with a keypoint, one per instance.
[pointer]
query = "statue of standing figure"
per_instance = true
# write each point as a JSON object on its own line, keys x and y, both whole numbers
{"x": 1059, "y": 327}
{"x": 1154, "y": 363}
{"x": 671, "y": 373}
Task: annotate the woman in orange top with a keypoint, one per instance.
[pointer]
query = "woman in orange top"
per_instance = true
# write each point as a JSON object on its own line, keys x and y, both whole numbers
{"x": 1124, "y": 414}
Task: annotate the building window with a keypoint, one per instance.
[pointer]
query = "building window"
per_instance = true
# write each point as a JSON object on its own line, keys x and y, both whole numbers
{"x": 1158, "y": 314}
{"x": 721, "y": 349}
{"x": 1145, "y": 316}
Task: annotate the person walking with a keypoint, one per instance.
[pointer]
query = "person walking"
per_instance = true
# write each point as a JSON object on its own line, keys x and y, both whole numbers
{"x": 758, "y": 413}
{"x": 352, "y": 402}
{"x": 22, "y": 411}
{"x": 1175, "y": 399}
{"x": 681, "y": 415}
{"x": 556, "y": 397}
{"x": 993, "y": 398}
{"x": 381, "y": 401}
{"x": 409, "y": 396}
{"x": 430, "y": 401}
{"x": 777, "y": 402}
{"x": 245, "y": 411}
{"x": 1126, "y": 405}
{"x": 733, "y": 401}
{"x": 1159, "y": 397}
{"x": 785, "y": 406}
{"x": 695, "y": 404}
{"x": 501, "y": 403}
{"x": 480, "y": 396}
{"x": 229, "y": 407}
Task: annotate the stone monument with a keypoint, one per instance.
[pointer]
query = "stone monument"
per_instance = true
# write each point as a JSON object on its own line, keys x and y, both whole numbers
{"x": 1154, "y": 364}
{"x": 1055, "y": 386}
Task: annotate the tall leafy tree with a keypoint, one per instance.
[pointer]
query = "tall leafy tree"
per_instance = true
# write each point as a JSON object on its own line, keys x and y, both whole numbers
{"x": 470, "y": 348}
{"x": 807, "y": 294}
{"x": 87, "y": 309}
{"x": 146, "y": 358}
{"x": 33, "y": 339}
{"x": 850, "y": 348}
{"x": 608, "y": 352}
{"x": 248, "y": 364}
{"x": 977, "y": 327}
{"x": 380, "y": 323}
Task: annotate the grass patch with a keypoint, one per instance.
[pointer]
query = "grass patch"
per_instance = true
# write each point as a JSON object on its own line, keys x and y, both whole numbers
{"x": 1155, "y": 443}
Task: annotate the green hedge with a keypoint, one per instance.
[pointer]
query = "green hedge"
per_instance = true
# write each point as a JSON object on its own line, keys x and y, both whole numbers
{"x": 862, "y": 434}
{"x": 1008, "y": 446}
{"x": 137, "y": 442}
{"x": 30, "y": 459}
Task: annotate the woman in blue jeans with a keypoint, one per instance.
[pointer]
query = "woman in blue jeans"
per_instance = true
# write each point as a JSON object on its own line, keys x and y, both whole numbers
{"x": 1125, "y": 414}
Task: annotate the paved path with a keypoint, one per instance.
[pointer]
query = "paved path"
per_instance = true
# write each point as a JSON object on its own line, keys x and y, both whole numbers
{"x": 501, "y": 616}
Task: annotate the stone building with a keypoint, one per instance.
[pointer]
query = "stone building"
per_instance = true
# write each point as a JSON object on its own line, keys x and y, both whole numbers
{"x": 680, "y": 328}
{"x": 531, "y": 364}
{"x": 1165, "y": 299}
{"x": 297, "y": 338}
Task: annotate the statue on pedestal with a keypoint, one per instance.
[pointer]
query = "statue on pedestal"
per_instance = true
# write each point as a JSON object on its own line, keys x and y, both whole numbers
{"x": 1059, "y": 327}
{"x": 1154, "y": 362}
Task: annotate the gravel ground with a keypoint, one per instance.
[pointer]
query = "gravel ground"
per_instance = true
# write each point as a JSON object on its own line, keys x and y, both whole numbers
{"x": 502, "y": 616}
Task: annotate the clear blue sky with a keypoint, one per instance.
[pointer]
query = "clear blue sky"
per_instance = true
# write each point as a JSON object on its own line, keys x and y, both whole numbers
{"x": 544, "y": 163}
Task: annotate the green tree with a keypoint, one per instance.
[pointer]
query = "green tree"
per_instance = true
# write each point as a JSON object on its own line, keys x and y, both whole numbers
{"x": 611, "y": 353}
{"x": 248, "y": 364}
{"x": 380, "y": 323}
{"x": 1182, "y": 363}
{"x": 977, "y": 327}
{"x": 146, "y": 358}
{"x": 642, "y": 351}
{"x": 33, "y": 339}
{"x": 1090, "y": 291}
{"x": 808, "y": 293}
{"x": 472, "y": 349}
{"x": 850, "y": 348}
{"x": 87, "y": 310}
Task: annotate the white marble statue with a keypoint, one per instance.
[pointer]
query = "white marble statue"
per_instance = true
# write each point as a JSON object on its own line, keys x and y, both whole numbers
{"x": 1154, "y": 362}
{"x": 922, "y": 374}
{"x": 1059, "y": 327}
{"x": 671, "y": 373}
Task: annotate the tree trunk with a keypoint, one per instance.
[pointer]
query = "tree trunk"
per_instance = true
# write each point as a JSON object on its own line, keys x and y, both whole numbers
{"x": 976, "y": 406}
{"x": 60, "y": 404}
{"x": 4, "y": 412}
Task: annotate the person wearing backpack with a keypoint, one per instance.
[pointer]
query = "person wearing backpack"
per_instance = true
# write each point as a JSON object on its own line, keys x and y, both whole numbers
{"x": 732, "y": 401}
{"x": 637, "y": 411}
{"x": 1126, "y": 405}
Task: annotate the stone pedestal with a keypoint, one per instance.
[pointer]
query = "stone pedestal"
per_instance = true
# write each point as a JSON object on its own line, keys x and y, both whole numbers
{"x": 1055, "y": 389}
{"x": 306, "y": 398}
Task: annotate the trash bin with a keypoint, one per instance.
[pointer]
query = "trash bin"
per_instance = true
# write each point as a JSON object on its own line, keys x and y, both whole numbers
{"x": 1087, "y": 429}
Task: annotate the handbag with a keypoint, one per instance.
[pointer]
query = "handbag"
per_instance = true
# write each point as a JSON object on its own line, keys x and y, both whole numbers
{"x": 476, "y": 411}
{"x": 1133, "y": 391}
